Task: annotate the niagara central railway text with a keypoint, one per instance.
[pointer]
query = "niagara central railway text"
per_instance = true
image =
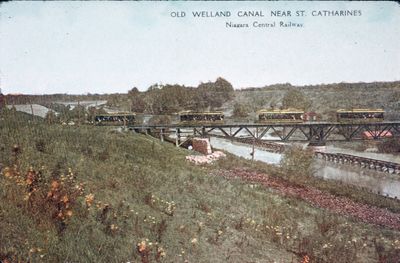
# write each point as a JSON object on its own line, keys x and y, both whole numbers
{"x": 259, "y": 24}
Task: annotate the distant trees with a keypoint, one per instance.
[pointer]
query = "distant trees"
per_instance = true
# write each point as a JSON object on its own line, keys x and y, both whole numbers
{"x": 51, "y": 117}
{"x": 214, "y": 94}
{"x": 167, "y": 99}
{"x": 239, "y": 110}
{"x": 92, "y": 112}
{"x": 395, "y": 100}
{"x": 64, "y": 114}
{"x": 295, "y": 99}
{"x": 136, "y": 100}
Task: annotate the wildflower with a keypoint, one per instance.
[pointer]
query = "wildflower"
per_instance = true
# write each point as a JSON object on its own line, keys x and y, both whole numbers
{"x": 65, "y": 199}
{"x": 113, "y": 227}
{"x": 193, "y": 241}
{"x": 55, "y": 185}
{"x": 306, "y": 259}
{"x": 26, "y": 198}
{"x": 60, "y": 215}
{"x": 219, "y": 232}
{"x": 7, "y": 172}
{"x": 89, "y": 199}
{"x": 161, "y": 252}
{"x": 142, "y": 246}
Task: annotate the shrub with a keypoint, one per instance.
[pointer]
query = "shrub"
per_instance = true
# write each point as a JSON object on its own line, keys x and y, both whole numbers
{"x": 239, "y": 110}
{"x": 391, "y": 145}
{"x": 297, "y": 160}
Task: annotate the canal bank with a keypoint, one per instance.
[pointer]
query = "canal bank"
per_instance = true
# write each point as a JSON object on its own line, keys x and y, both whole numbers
{"x": 370, "y": 180}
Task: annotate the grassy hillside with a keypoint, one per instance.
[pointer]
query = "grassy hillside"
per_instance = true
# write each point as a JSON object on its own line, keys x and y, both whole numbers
{"x": 133, "y": 198}
{"x": 326, "y": 99}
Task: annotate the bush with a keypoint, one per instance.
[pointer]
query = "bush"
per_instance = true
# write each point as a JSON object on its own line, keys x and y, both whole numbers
{"x": 391, "y": 145}
{"x": 297, "y": 161}
{"x": 239, "y": 110}
{"x": 159, "y": 119}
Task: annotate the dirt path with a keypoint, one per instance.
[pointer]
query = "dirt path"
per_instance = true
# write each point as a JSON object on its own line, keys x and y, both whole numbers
{"x": 340, "y": 205}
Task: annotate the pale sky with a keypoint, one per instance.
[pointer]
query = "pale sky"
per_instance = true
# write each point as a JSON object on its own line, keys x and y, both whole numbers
{"x": 105, "y": 47}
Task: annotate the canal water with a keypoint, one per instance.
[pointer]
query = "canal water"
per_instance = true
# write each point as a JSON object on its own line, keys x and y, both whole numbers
{"x": 377, "y": 182}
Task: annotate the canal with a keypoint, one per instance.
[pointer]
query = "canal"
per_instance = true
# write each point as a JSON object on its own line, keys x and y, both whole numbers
{"x": 377, "y": 182}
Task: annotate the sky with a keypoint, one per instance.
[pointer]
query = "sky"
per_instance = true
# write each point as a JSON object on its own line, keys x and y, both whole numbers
{"x": 107, "y": 47}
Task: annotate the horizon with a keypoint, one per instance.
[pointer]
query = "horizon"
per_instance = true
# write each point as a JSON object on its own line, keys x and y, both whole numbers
{"x": 69, "y": 50}
{"x": 236, "y": 89}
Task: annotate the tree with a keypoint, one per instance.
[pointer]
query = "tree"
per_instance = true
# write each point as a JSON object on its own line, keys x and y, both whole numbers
{"x": 78, "y": 113}
{"x": 239, "y": 110}
{"x": 297, "y": 161}
{"x": 296, "y": 99}
{"x": 214, "y": 94}
{"x": 93, "y": 111}
{"x": 136, "y": 100}
{"x": 51, "y": 117}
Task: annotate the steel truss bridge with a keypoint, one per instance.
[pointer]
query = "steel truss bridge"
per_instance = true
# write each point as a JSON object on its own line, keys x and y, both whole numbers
{"x": 317, "y": 132}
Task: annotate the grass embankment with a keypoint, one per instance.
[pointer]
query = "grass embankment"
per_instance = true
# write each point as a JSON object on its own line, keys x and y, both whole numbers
{"x": 336, "y": 188}
{"x": 144, "y": 192}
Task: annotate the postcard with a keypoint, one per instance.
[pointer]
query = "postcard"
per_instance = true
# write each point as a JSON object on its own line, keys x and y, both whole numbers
{"x": 200, "y": 131}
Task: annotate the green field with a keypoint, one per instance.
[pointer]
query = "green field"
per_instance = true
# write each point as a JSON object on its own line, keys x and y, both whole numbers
{"x": 144, "y": 192}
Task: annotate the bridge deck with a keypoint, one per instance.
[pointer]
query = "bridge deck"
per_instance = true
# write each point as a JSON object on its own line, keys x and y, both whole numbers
{"x": 305, "y": 131}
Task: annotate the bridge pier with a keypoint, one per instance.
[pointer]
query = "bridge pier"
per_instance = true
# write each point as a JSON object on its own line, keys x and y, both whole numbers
{"x": 162, "y": 135}
{"x": 177, "y": 137}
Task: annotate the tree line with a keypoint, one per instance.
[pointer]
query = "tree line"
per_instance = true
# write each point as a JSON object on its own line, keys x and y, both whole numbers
{"x": 167, "y": 99}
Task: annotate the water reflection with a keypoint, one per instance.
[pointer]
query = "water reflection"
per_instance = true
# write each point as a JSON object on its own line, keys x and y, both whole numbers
{"x": 377, "y": 182}
{"x": 379, "y": 156}
{"x": 380, "y": 183}
{"x": 243, "y": 150}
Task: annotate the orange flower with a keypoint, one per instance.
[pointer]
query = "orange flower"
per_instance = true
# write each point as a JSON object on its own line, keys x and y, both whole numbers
{"x": 8, "y": 172}
{"x": 89, "y": 199}
{"x": 68, "y": 213}
{"x": 65, "y": 199}
{"x": 54, "y": 185}
{"x": 142, "y": 246}
{"x": 60, "y": 215}
{"x": 306, "y": 259}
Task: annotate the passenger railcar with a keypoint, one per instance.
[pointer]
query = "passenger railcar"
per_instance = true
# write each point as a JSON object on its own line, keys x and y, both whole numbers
{"x": 201, "y": 117}
{"x": 115, "y": 119}
{"x": 360, "y": 115}
{"x": 280, "y": 116}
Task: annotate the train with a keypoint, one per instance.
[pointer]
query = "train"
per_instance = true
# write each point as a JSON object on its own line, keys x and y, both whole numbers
{"x": 115, "y": 119}
{"x": 360, "y": 115}
{"x": 263, "y": 116}
{"x": 189, "y": 117}
{"x": 278, "y": 116}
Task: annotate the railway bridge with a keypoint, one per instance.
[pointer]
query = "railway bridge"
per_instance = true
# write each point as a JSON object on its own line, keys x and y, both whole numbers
{"x": 313, "y": 132}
